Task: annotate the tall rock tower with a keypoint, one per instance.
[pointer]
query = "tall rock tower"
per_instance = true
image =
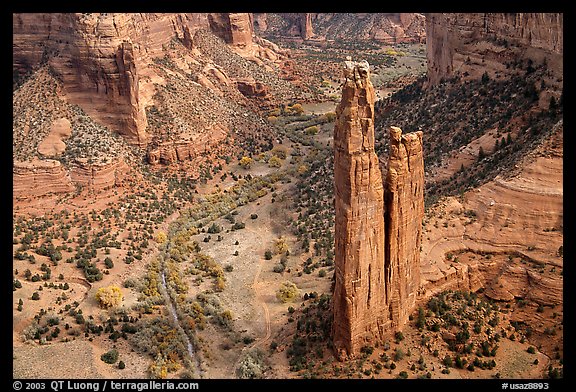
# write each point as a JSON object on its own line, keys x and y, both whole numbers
{"x": 359, "y": 233}
{"x": 378, "y": 229}
{"x": 404, "y": 201}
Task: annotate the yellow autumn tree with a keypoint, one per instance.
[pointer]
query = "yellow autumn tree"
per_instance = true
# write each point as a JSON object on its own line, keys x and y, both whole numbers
{"x": 287, "y": 292}
{"x": 302, "y": 169}
{"x": 108, "y": 297}
{"x": 274, "y": 162}
{"x": 245, "y": 162}
{"x": 161, "y": 237}
{"x": 297, "y": 108}
{"x": 280, "y": 246}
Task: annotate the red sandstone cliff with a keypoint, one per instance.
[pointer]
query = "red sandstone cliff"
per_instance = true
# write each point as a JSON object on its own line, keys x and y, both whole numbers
{"x": 384, "y": 27}
{"x": 104, "y": 59}
{"x": 99, "y": 58}
{"x": 497, "y": 38}
{"x": 234, "y": 28}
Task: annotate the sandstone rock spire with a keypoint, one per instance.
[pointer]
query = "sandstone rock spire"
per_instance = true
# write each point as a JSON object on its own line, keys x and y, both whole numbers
{"x": 377, "y": 226}
{"x": 359, "y": 292}
{"x": 404, "y": 201}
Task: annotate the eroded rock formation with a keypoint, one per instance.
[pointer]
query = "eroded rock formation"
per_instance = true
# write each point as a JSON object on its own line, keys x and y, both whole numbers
{"x": 54, "y": 144}
{"x": 105, "y": 60}
{"x": 458, "y": 41}
{"x": 40, "y": 177}
{"x": 377, "y": 228}
{"x": 404, "y": 200}
{"x": 234, "y": 28}
{"x": 360, "y": 294}
{"x": 169, "y": 152}
{"x": 99, "y": 176}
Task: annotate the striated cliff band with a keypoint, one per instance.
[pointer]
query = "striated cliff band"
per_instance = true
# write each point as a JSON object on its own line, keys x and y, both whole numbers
{"x": 479, "y": 42}
{"x": 383, "y": 27}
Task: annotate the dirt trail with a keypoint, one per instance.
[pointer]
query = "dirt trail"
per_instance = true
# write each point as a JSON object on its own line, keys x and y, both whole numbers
{"x": 260, "y": 300}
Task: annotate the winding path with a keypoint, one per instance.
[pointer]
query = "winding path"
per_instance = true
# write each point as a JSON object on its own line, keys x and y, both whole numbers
{"x": 262, "y": 302}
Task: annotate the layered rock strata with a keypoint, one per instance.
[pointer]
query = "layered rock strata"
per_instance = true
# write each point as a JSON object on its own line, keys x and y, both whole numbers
{"x": 169, "y": 152}
{"x": 99, "y": 176}
{"x": 377, "y": 228}
{"x": 39, "y": 178}
{"x": 383, "y": 27}
{"x": 457, "y": 40}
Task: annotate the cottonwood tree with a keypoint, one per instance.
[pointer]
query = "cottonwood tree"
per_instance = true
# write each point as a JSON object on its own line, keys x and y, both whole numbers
{"x": 110, "y": 296}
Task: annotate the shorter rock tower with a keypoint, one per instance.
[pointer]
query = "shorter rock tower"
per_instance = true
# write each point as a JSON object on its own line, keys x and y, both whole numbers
{"x": 378, "y": 224}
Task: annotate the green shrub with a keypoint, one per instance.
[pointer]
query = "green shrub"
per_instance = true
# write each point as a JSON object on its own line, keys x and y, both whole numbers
{"x": 110, "y": 357}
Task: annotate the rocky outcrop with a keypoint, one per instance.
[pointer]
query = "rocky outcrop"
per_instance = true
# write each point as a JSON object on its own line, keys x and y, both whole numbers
{"x": 234, "y": 28}
{"x": 54, "y": 144}
{"x": 251, "y": 88}
{"x": 404, "y": 199}
{"x": 377, "y": 228}
{"x": 99, "y": 176}
{"x": 299, "y": 25}
{"x": 455, "y": 41}
{"x": 169, "y": 152}
{"x": 306, "y": 30}
{"x": 39, "y": 178}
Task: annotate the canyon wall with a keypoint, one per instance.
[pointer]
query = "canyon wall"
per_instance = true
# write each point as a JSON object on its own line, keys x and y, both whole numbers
{"x": 378, "y": 227}
{"x": 38, "y": 178}
{"x": 234, "y": 28}
{"x": 99, "y": 57}
{"x": 385, "y": 27}
{"x": 454, "y": 41}
{"x": 169, "y": 152}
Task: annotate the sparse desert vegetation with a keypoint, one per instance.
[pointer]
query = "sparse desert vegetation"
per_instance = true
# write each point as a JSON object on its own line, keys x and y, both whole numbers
{"x": 207, "y": 250}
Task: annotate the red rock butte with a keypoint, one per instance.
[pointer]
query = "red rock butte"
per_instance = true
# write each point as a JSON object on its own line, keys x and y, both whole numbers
{"x": 378, "y": 223}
